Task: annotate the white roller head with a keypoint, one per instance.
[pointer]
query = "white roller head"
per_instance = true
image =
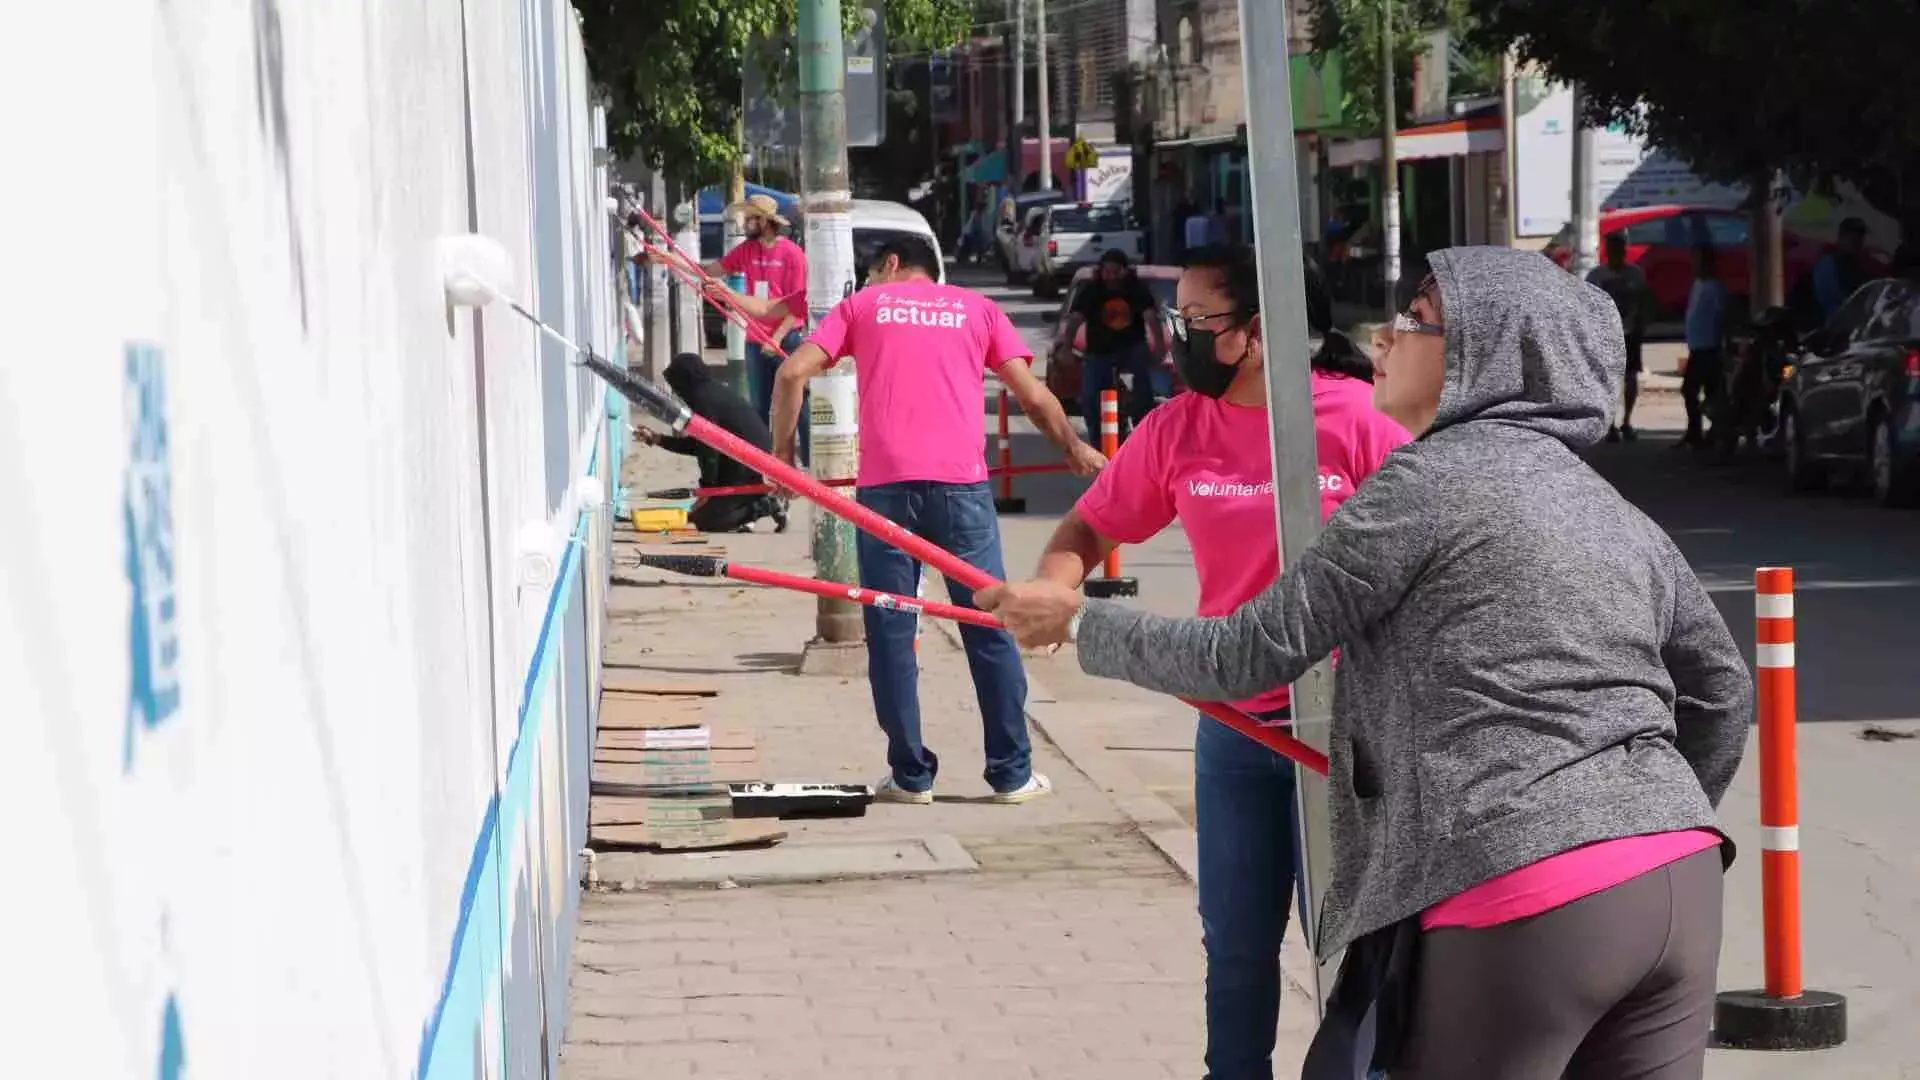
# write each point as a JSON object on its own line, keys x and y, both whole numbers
{"x": 589, "y": 493}
{"x": 613, "y": 206}
{"x": 474, "y": 269}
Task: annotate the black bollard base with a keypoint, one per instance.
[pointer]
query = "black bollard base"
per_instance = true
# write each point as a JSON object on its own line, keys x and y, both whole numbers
{"x": 1010, "y": 506}
{"x": 1103, "y": 588}
{"x": 1750, "y": 1020}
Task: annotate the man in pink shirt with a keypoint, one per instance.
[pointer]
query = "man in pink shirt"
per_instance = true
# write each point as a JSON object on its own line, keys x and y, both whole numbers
{"x": 775, "y": 269}
{"x": 922, "y": 351}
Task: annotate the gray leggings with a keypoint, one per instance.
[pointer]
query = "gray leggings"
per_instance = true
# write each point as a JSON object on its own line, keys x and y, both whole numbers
{"x": 1618, "y": 985}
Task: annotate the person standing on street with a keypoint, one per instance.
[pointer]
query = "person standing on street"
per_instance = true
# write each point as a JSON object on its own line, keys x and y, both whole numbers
{"x": 775, "y": 269}
{"x": 1536, "y": 711}
{"x": 1842, "y": 270}
{"x": 709, "y": 399}
{"x": 1202, "y": 460}
{"x": 1704, "y": 385}
{"x": 1124, "y": 335}
{"x": 923, "y": 350}
{"x": 1624, "y": 282}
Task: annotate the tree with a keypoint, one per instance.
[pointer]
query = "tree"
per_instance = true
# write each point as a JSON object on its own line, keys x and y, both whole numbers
{"x": 671, "y": 68}
{"x": 1823, "y": 90}
{"x": 1351, "y": 28}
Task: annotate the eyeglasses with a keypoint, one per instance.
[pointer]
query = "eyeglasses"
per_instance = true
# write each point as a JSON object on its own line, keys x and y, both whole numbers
{"x": 1181, "y": 322}
{"x": 1405, "y": 323}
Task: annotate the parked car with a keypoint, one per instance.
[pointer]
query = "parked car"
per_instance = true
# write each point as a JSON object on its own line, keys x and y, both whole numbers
{"x": 1661, "y": 239}
{"x": 1851, "y": 402}
{"x": 1014, "y": 215}
{"x": 1064, "y": 362}
{"x": 1075, "y": 235}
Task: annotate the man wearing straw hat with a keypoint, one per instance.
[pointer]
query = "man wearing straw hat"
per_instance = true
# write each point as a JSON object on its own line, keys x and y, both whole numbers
{"x": 775, "y": 269}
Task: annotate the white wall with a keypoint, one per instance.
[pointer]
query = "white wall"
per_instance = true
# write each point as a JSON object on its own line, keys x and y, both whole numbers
{"x": 302, "y": 732}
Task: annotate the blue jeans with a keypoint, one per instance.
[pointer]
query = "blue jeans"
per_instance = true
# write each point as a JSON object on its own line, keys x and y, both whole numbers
{"x": 761, "y": 366}
{"x": 1245, "y": 818}
{"x": 1101, "y": 371}
{"x": 960, "y": 518}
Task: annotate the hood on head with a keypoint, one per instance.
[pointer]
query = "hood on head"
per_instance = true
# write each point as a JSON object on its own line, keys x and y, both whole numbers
{"x": 686, "y": 371}
{"x": 1528, "y": 344}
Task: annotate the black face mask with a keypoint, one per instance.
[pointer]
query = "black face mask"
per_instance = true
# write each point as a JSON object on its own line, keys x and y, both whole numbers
{"x": 1193, "y": 358}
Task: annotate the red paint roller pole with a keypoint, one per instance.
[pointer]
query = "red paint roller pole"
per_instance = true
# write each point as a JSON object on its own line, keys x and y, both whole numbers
{"x": 709, "y": 566}
{"x": 723, "y": 302}
{"x": 1110, "y": 583}
{"x": 674, "y": 414}
{"x": 1785, "y": 1015}
{"x": 1006, "y": 503}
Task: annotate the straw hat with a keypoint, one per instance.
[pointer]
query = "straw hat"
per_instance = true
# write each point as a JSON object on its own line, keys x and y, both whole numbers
{"x": 762, "y": 205}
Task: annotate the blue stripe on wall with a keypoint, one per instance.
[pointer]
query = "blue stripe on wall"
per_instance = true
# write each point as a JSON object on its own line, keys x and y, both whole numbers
{"x": 449, "y": 1044}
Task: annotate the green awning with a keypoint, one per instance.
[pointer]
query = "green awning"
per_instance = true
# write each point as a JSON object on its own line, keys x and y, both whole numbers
{"x": 991, "y": 169}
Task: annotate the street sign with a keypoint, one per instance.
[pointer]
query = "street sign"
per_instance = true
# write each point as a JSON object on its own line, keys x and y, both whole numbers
{"x": 866, "y": 85}
{"x": 1082, "y": 155}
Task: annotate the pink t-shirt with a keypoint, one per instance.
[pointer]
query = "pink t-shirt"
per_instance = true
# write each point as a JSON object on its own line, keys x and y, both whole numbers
{"x": 1563, "y": 878}
{"x": 921, "y": 353}
{"x": 1207, "y": 463}
{"x": 781, "y": 266}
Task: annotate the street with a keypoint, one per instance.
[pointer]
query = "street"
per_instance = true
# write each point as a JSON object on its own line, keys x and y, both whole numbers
{"x": 1858, "y": 571}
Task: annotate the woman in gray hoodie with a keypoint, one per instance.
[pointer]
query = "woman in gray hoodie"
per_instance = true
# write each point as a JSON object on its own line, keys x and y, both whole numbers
{"x": 1536, "y": 708}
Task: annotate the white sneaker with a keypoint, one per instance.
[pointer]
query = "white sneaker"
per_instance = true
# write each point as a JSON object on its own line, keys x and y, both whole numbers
{"x": 1036, "y": 786}
{"x": 888, "y": 791}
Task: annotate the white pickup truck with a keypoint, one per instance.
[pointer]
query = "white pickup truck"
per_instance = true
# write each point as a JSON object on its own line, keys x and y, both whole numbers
{"x": 1073, "y": 235}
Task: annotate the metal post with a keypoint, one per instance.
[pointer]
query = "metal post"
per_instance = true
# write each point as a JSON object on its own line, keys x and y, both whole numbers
{"x": 828, "y": 203}
{"x": 1769, "y": 283}
{"x": 1019, "y": 80}
{"x": 688, "y": 335}
{"x": 1275, "y": 181}
{"x": 730, "y": 229}
{"x": 659, "y": 293}
{"x": 1045, "y": 122}
{"x": 1389, "y": 162}
{"x": 1586, "y": 209}
{"x": 1509, "y": 172}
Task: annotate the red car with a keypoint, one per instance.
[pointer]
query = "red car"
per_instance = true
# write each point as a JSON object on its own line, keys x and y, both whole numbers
{"x": 1661, "y": 239}
{"x": 1063, "y": 364}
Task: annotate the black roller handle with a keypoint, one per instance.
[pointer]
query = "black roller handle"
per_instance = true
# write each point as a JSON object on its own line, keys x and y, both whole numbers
{"x": 690, "y": 565}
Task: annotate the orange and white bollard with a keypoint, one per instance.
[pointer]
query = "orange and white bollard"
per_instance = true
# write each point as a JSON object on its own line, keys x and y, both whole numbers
{"x": 1110, "y": 583}
{"x": 1005, "y": 502}
{"x": 1784, "y": 1015}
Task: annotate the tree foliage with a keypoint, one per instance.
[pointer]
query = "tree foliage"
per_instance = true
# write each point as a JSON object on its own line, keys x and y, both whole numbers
{"x": 670, "y": 69}
{"x": 1822, "y": 89}
{"x": 1351, "y": 28}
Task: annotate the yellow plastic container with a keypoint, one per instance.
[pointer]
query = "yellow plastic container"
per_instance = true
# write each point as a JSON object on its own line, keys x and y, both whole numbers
{"x": 659, "y": 518}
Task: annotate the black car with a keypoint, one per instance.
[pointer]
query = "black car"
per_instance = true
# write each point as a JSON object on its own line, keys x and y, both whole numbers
{"x": 1851, "y": 403}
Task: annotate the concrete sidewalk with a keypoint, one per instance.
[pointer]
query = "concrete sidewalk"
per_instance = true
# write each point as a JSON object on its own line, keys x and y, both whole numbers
{"x": 1073, "y": 949}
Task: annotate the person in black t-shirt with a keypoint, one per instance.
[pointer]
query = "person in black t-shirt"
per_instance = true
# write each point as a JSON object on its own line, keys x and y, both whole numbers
{"x": 1124, "y": 334}
{"x": 689, "y": 378}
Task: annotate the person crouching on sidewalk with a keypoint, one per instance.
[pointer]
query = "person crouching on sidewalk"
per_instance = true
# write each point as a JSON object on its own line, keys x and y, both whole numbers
{"x": 709, "y": 399}
{"x": 1202, "y": 460}
{"x": 1537, "y": 707}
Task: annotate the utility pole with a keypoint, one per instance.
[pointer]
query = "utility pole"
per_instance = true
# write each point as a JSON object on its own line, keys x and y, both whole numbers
{"x": 1275, "y": 180}
{"x": 1046, "y": 98}
{"x": 730, "y": 229}
{"x": 1019, "y": 77}
{"x": 688, "y": 336}
{"x": 1769, "y": 283}
{"x": 1389, "y": 163}
{"x": 828, "y": 203}
{"x": 1586, "y": 210}
{"x": 660, "y": 298}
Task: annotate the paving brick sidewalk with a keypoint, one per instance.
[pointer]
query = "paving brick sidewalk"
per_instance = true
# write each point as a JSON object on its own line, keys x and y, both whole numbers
{"x": 1073, "y": 951}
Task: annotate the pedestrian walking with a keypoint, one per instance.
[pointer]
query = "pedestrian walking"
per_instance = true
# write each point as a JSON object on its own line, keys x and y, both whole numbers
{"x": 775, "y": 269}
{"x": 1703, "y": 386}
{"x": 1124, "y": 337}
{"x": 924, "y": 350}
{"x": 1537, "y": 707}
{"x": 688, "y": 376}
{"x": 1202, "y": 460}
{"x": 1627, "y": 285}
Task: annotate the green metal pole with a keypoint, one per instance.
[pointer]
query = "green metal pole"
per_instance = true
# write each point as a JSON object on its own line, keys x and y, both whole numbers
{"x": 827, "y": 200}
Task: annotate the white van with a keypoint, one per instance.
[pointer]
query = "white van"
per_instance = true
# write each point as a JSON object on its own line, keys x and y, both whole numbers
{"x": 876, "y": 221}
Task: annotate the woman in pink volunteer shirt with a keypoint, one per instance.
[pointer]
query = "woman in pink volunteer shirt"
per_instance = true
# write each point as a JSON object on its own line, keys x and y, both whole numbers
{"x": 1203, "y": 460}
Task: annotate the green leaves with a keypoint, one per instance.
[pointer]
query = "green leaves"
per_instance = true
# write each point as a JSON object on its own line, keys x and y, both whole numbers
{"x": 671, "y": 68}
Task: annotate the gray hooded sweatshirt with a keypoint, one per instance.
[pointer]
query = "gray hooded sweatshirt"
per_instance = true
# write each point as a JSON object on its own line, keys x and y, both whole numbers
{"x": 1527, "y": 662}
